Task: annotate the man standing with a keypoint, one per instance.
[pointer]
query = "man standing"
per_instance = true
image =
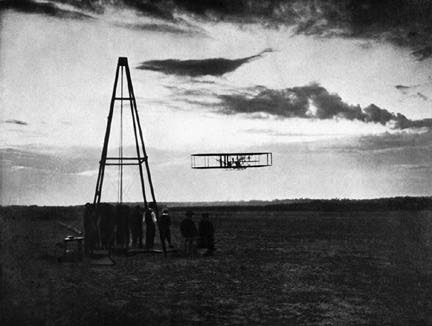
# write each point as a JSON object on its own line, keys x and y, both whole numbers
{"x": 206, "y": 232}
{"x": 135, "y": 227}
{"x": 122, "y": 223}
{"x": 189, "y": 232}
{"x": 164, "y": 225}
{"x": 150, "y": 228}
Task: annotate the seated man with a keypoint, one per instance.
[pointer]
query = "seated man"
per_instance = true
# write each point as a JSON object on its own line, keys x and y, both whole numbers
{"x": 206, "y": 232}
{"x": 189, "y": 232}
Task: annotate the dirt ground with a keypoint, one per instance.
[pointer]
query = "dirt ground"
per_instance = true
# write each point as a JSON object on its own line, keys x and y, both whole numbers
{"x": 270, "y": 268}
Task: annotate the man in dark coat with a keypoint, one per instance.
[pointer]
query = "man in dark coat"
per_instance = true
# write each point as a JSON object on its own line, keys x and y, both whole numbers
{"x": 206, "y": 232}
{"x": 164, "y": 225}
{"x": 91, "y": 228}
{"x": 99, "y": 223}
{"x": 189, "y": 232}
{"x": 107, "y": 222}
{"x": 122, "y": 221}
{"x": 135, "y": 226}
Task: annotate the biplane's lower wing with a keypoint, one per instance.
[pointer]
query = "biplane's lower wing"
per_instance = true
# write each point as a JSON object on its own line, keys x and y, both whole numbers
{"x": 234, "y": 161}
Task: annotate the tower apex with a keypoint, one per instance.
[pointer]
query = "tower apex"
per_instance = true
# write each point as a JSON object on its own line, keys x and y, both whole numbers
{"x": 122, "y": 61}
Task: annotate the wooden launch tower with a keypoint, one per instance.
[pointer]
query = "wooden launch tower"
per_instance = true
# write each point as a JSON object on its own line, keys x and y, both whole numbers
{"x": 140, "y": 159}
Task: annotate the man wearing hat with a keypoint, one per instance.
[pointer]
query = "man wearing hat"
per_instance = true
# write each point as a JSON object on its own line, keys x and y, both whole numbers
{"x": 164, "y": 225}
{"x": 189, "y": 232}
{"x": 206, "y": 232}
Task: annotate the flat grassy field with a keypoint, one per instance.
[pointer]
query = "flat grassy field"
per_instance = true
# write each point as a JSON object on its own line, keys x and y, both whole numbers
{"x": 270, "y": 268}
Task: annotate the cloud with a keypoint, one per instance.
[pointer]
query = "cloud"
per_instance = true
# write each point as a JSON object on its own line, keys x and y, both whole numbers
{"x": 403, "y": 141}
{"x": 159, "y": 27}
{"x": 201, "y": 67}
{"x": 45, "y": 8}
{"x": 311, "y": 102}
{"x": 412, "y": 91}
{"x": 162, "y": 18}
{"x": 423, "y": 53}
{"x": 16, "y": 122}
{"x": 403, "y": 22}
{"x": 63, "y": 163}
{"x": 156, "y": 10}
{"x": 422, "y": 96}
{"x": 406, "y": 23}
{"x": 88, "y": 173}
{"x": 72, "y": 160}
{"x": 403, "y": 89}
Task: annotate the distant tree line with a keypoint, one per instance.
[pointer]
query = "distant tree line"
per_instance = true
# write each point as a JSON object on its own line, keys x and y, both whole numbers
{"x": 384, "y": 204}
{"x": 380, "y": 204}
{"x": 302, "y": 204}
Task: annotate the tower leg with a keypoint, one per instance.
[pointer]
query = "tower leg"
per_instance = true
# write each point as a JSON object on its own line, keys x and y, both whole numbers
{"x": 145, "y": 157}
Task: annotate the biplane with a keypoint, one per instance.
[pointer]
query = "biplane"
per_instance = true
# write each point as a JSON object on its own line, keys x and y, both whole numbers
{"x": 235, "y": 161}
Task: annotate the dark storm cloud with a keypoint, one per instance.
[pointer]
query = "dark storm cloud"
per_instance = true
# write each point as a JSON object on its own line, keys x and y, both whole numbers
{"x": 423, "y": 53}
{"x": 407, "y": 23}
{"x": 165, "y": 23}
{"x": 311, "y": 102}
{"x": 403, "y": 22}
{"x": 16, "y": 122}
{"x": 201, "y": 67}
{"x": 45, "y": 8}
{"x": 403, "y": 88}
{"x": 150, "y": 8}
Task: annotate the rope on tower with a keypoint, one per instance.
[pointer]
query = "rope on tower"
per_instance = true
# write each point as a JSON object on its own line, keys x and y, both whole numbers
{"x": 120, "y": 180}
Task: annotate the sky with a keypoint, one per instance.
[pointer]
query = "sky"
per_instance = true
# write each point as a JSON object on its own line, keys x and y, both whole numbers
{"x": 339, "y": 91}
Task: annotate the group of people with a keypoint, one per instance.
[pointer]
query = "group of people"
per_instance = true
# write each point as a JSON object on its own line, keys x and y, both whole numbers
{"x": 107, "y": 226}
{"x": 194, "y": 238}
{"x": 201, "y": 238}
{"x": 150, "y": 220}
